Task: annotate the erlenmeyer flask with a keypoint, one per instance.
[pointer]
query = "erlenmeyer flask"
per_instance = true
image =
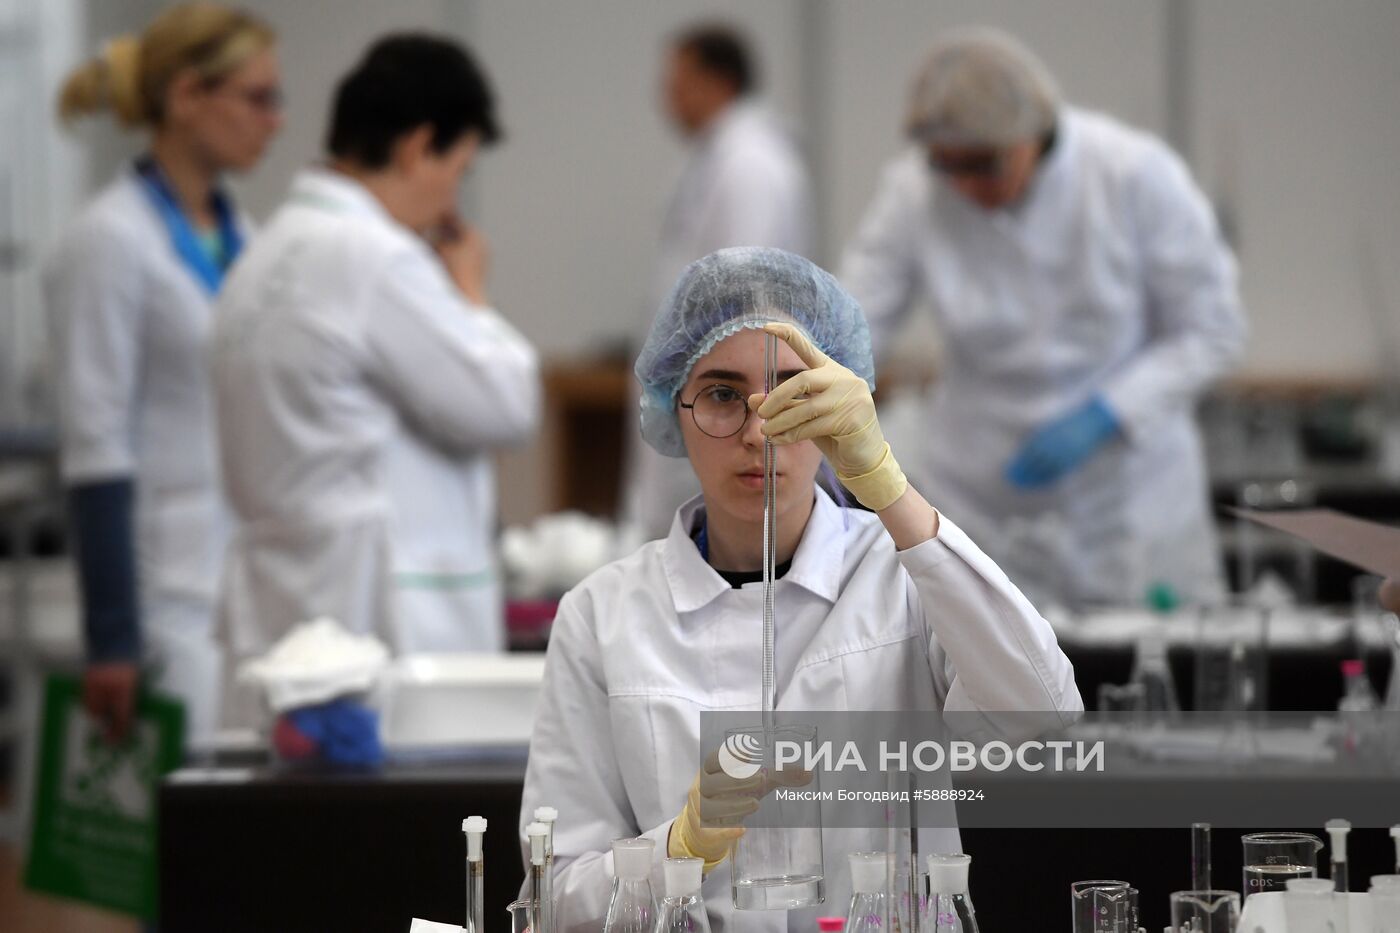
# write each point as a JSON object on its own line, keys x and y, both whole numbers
{"x": 870, "y": 902}
{"x": 682, "y": 909}
{"x": 632, "y": 906}
{"x": 950, "y": 907}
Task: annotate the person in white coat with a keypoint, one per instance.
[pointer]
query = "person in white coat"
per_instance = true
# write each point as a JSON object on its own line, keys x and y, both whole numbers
{"x": 1085, "y": 298}
{"x": 129, "y": 293}
{"x": 364, "y": 382}
{"x": 744, "y": 183}
{"x": 889, "y": 609}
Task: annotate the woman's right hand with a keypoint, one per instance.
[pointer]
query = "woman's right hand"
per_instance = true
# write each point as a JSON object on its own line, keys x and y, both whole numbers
{"x": 109, "y": 696}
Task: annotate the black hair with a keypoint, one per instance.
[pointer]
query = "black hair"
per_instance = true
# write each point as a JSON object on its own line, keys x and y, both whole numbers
{"x": 721, "y": 50}
{"x": 406, "y": 81}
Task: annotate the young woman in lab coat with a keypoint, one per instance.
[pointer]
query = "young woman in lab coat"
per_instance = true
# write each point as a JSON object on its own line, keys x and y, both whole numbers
{"x": 129, "y": 292}
{"x": 890, "y": 609}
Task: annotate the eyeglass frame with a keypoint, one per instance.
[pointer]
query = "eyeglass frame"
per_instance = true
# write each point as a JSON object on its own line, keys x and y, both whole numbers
{"x": 717, "y": 385}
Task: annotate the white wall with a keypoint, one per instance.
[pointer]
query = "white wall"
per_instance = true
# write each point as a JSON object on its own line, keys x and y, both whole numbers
{"x": 1298, "y": 121}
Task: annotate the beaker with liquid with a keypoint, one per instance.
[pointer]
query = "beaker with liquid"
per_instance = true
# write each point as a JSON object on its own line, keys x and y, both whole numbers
{"x": 777, "y": 863}
{"x": 1273, "y": 859}
{"x": 1205, "y": 911}
{"x": 1104, "y": 907}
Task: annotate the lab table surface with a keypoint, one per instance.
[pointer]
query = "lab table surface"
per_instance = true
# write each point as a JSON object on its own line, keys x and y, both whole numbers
{"x": 259, "y": 849}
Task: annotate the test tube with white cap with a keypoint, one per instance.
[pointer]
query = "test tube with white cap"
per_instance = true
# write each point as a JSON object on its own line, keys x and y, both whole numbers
{"x": 1337, "y": 832}
{"x": 475, "y": 829}
{"x": 547, "y": 816}
{"x": 536, "y": 833}
{"x": 1395, "y": 834}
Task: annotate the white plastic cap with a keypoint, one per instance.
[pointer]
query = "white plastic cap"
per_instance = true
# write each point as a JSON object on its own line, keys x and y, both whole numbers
{"x": 1337, "y": 830}
{"x": 1395, "y": 833}
{"x": 947, "y": 874}
{"x": 869, "y": 872}
{"x": 474, "y": 827}
{"x": 683, "y": 876}
{"x": 537, "y": 833}
{"x": 632, "y": 858}
{"x": 546, "y": 814}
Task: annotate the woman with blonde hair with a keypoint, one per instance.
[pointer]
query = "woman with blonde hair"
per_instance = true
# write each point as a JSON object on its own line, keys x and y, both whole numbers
{"x": 130, "y": 291}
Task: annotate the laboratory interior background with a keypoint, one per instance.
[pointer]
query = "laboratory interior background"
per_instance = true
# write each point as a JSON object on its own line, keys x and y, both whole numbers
{"x": 1286, "y": 113}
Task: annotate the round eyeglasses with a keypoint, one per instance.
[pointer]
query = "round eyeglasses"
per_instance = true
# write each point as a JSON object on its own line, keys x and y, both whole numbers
{"x": 719, "y": 410}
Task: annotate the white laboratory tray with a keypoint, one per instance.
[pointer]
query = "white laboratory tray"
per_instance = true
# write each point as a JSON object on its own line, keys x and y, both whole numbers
{"x": 1263, "y": 913}
{"x": 434, "y": 705}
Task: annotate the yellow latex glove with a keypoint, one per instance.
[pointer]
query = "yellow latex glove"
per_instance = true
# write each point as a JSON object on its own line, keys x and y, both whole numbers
{"x": 714, "y": 798}
{"x": 832, "y": 407}
{"x": 711, "y": 819}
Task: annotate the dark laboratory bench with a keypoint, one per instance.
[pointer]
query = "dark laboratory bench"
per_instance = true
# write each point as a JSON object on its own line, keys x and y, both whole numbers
{"x": 259, "y": 850}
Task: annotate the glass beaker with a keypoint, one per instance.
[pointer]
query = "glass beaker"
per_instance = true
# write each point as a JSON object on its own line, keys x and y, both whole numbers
{"x": 1272, "y": 859}
{"x": 777, "y": 863}
{"x": 520, "y": 912}
{"x": 1205, "y": 911}
{"x": 1104, "y": 906}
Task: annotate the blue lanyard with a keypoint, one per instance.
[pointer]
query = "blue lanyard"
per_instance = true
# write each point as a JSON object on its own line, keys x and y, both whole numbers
{"x": 182, "y": 235}
{"x": 702, "y": 541}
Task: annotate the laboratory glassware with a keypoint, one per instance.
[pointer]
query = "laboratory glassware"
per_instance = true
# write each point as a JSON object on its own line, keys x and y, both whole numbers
{"x": 1200, "y": 857}
{"x": 632, "y": 907}
{"x": 1231, "y": 658}
{"x": 1337, "y": 834}
{"x": 475, "y": 828}
{"x": 683, "y": 909}
{"x": 777, "y": 864}
{"x": 1205, "y": 911}
{"x": 1310, "y": 904}
{"x": 950, "y": 906}
{"x": 547, "y": 817}
{"x": 536, "y": 833}
{"x": 520, "y": 913}
{"x": 1385, "y": 904}
{"x": 1271, "y": 859}
{"x": 870, "y": 902}
{"x": 1104, "y": 907}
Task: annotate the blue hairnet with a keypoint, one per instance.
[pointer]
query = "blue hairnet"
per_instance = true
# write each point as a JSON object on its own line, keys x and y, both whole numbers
{"x": 729, "y": 291}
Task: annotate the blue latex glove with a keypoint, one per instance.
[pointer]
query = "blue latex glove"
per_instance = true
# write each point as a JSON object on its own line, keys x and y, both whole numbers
{"x": 1062, "y": 446}
{"x": 346, "y": 732}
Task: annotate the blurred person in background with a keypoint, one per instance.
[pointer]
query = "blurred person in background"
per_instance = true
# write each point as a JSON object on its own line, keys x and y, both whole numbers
{"x": 363, "y": 381}
{"x": 129, "y": 293}
{"x": 743, "y": 184}
{"x": 1085, "y": 298}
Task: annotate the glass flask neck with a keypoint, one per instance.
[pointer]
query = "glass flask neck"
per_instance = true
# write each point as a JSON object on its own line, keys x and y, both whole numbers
{"x": 631, "y": 908}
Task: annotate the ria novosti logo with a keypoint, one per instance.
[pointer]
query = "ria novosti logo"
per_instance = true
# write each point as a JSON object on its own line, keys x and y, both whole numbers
{"x": 741, "y": 755}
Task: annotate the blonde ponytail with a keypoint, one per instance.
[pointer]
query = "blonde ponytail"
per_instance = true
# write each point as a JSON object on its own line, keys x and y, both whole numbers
{"x": 108, "y": 81}
{"x": 131, "y": 75}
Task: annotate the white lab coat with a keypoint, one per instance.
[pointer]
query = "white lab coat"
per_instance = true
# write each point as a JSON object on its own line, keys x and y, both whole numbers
{"x": 644, "y": 645}
{"x": 360, "y": 400}
{"x": 743, "y": 184}
{"x": 131, "y": 324}
{"x": 1109, "y": 277}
